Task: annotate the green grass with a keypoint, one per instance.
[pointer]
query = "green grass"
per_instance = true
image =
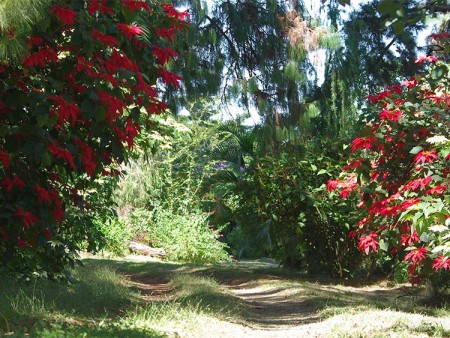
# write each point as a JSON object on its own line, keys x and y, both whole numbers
{"x": 103, "y": 302}
{"x": 98, "y": 293}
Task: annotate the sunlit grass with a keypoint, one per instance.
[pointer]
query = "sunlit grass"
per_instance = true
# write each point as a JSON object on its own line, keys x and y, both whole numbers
{"x": 96, "y": 294}
{"x": 103, "y": 302}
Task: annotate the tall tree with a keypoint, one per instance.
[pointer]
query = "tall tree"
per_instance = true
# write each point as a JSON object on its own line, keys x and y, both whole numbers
{"x": 255, "y": 52}
{"x": 373, "y": 56}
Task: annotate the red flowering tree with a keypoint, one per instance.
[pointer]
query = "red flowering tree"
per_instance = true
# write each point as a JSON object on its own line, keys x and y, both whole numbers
{"x": 68, "y": 115}
{"x": 399, "y": 167}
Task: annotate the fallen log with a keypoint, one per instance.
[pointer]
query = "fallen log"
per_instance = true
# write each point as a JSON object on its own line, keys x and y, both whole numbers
{"x": 147, "y": 250}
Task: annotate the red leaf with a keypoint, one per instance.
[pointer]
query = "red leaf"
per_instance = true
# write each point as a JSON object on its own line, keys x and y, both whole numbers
{"x": 66, "y": 15}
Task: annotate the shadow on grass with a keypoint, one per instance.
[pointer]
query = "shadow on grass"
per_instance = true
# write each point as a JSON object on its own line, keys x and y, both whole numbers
{"x": 57, "y": 331}
{"x": 273, "y": 295}
{"x": 255, "y": 295}
{"x": 97, "y": 293}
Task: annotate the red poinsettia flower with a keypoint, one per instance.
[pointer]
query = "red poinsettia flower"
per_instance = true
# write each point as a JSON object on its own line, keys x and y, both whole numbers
{"x": 62, "y": 154}
{"x": 147, "y": 89}
{"x": 26, "y": 217}
{"x": 119, "y": 60}
{"x": 130, "y": 31}
{"x": 58, "y": 214}
{"x": 135, "y": 5}
{"x": 121, "y": 136}
{"x": 169, "y": 77}
{"x": 352, "y": 165}
{"x": 114, "y": 104}
{"x": 416, "y": 256}
{"x": 363, "y": 143}
{"x": 374, "y": 99}
{"x": 47, "y": 233}
{"x": 439, "y": 189}
{"x": 421, "y": 183}
{"x": 156, "y": 107}
{"x": 168, "y": 33}
{"x": 41, "y": 58}
{"x": 368, "y": 242}
{"x": 426, "y": 156}
{"x": 87, "y": 156}
{"x": 21, "y": 243}
{"x": 441, "y": 262}
{"x": 4, "y": 158}
{"x": 332, "y": 185}
{"x": 409, "y": 239}
{"x": 14, "y": 182}
{"x": 104, "y": 39}
{"x": 173, "y": 13}
{"x": 164, "y": 54}
{"x": 411, "y": 83}
{"x": 421, "y": 59}
{"x": 132, "y": 130}
{"x": 67, "y": 110}
{"x": 100, "y": 7}
{"x": 66, "y": 15}
{"x": 43, "y": 194}
{"x": 439, "y": 36}
{"x": 390, "y": 115}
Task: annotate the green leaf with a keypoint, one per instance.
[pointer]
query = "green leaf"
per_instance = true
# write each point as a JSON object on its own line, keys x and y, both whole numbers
{"x": 424, "y": 237}
{"x": 384, "y": 245}
{"x": 389, "y": 7}
{"x": 321, "y": 172}
{"x": 42, "y": 120}
{"x": 398, "y": 27}
{"x": 439, "y": 72}
{"x": 416, "y": 150}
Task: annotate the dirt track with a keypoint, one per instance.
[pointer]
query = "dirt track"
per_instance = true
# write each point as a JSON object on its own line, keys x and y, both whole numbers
{"x": 283, "y": 306}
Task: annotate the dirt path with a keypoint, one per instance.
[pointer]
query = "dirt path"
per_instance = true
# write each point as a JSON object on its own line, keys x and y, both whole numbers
{"x": 284, "y": 306}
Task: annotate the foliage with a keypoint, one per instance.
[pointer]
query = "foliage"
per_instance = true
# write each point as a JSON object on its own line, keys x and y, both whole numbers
{"x": 280, "y": 206}
{"x": 147, "y": 176}
{"x": 399, "y": 171}
{"x": 186, "y": 237}
{"x": 255, "y": 54}
{"x": 68, "y": 113}
{"x": 115, "y": 234}
{"x": 400, "y": 15}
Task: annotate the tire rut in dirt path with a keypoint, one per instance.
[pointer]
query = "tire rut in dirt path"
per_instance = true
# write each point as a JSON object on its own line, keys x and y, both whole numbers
{"x": 271, "y": 308}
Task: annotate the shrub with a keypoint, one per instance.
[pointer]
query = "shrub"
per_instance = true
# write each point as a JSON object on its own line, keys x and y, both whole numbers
{"x": 399, "y": 170}
{"x": 287, "y": 201}
{"x": 185, "y": 237}
{"x": 115, "y": 235}
{"x": 69, "y": 112}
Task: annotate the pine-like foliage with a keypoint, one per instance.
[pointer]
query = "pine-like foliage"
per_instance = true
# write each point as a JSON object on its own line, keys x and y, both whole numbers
{"x": 256, "y": 53}
{"x": 16, "y": 19}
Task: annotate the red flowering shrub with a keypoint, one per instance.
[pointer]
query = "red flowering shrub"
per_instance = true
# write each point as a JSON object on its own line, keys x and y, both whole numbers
{"x": 402, "y": 171}
{"x": 68, "y": 115}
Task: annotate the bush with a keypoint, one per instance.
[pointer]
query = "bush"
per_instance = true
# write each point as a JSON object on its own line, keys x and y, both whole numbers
{"x": 185, "y": 237}
{"x": 70, "y": 110}
{"x": 285, "y": 205}
{"x": 399, "y": 170}
{"x": 115, "y": 234}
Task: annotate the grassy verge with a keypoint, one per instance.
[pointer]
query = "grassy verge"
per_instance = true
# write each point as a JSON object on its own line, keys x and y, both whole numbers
{"x": 120, "y": 298}
{"x": 102, "y": 302}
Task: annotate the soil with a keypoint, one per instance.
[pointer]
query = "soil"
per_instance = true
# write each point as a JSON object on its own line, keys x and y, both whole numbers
{"x": 278, "y": 307}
